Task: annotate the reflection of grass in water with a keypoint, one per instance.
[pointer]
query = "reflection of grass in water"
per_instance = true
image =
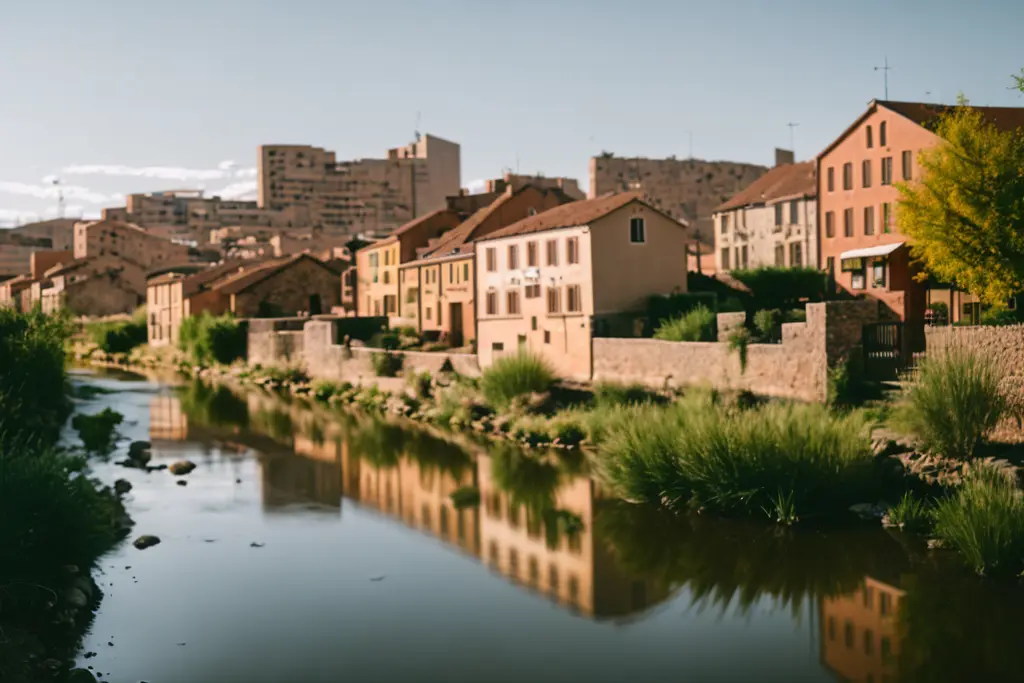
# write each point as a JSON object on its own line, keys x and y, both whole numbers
{"x": 213, "y": 406}
{"x": 277, "y": 424}
{"x": 383, "y": 444}
{"x": 959, "y": 628}
{"x": 527, "y": 480}
{"x": 725, "y": 560}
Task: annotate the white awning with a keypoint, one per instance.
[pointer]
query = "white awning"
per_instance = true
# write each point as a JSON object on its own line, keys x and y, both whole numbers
{"x": 867, "y": 252}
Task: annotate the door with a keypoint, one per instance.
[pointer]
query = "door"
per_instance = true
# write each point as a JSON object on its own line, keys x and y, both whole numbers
{"x": 315, "y": 307}
{"x": 884, "y": 355}
{"x": 455, "y": 324}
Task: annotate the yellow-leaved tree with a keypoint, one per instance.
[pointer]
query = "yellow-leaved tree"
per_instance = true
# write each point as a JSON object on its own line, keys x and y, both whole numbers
{"x": 965, "y": 215}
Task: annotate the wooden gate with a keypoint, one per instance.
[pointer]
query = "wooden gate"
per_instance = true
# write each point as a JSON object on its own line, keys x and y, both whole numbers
{"x": 883, "y": 351}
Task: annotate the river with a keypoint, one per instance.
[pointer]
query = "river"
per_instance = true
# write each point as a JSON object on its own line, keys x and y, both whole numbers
{"x": 310, "y": 546}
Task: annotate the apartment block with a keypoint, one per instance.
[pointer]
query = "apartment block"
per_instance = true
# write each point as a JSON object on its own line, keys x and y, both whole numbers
{"x": 128, "y": 241}
{"x": 685, "y": 189}
{"x": 773, "y": 222}
{"x": 363, "y": 195}
{"x": 546, "y": 283}
{"x": 436, "y": 290}
{"x": 861, "y": 247}
{"x": 570, "y": 186}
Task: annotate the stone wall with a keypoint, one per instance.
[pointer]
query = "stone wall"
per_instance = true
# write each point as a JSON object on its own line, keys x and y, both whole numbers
{"x": 275, "y": 341}
{"x": 797, "y": 368}
{"x": 1006, "y": 345}
{"x": 729, "y": 323}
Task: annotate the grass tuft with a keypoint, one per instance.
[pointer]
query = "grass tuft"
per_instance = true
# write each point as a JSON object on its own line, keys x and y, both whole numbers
{"x": 697, "y": 325}
{"x": 515, "y": 375}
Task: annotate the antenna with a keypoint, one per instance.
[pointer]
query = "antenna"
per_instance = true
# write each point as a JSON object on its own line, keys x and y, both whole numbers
{"x": 885, "y": 71}
{"x": 792, "y": 138}
{"x": 60, "y": 197}
{"x": 416, "y": 132}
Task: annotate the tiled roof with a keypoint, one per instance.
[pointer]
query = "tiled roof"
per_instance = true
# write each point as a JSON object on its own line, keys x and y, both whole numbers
{"x": 782, "y": 182}
{"x": 412, "y": 225}
{"x": 570, "y": 215}
{"x": 252, "y": 276}
{"x": 1003, "y": 118}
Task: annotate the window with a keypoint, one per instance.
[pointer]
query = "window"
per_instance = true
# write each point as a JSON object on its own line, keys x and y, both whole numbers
{"x": 573, "y": 299}
{"x": 869, "y": 642}
{"x": 878, "y": 274}
{"x": 465, "y": 272}
{"x": 887, "y": 171}
{"x": 869, "y": 220}
{"x": 513, "y": 257}
{"x": 848, "y": 223}
{"x": 796, "y": 255}
{"x": 870, "y": 140}
{"x": 908, "y": 161}
{"x": 725, "y": 223}
{"x": 532, "y": 291}
{"x": 830, "y": 224}
{"x": 572, "y": 250}
{"x": 881, "y": 134}
{"x": 492, "y": 259}
{"x": 554, "y": 300}
{"x": 848, "y": 175}
{"x": 533, "y": 323}
{"x": 857, "y": 278}
{"x": 886, "y": 217}
{"x": 451, "y": 273}
{"x": 780, "y": 255}
{"x": 547, "y": 336}
{"x": 865, "y": 173}
{"x": 848, "y": 633}
{"x": 743, "y": 256}
{"x": 428, "y": 313}
{"x": 884, "y": 604}
{"x": 387, "y": 257}
{"x": 831, "y": 179}
{"x": 497, "y": 346}
{"x": 794, "y": 212}
{"x": 778, "y": 215}
{"x": 512, "y": 302}
{"x": 531, "y": 254}
{"x": 725, "y": 259}
{"x": 637, "y": 232}
{"x": 552, "y": 253}
{"x": 390, "y": 304}
{"x": 553, "y": 578}
{"x": 492, "y": 303}
{"x": 830, "y": 266}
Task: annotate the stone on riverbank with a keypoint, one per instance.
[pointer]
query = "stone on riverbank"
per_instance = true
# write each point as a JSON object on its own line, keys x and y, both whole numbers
{"x": 143, "y": 542}
{"x": 181, "y": 468}
{"x": 122, "y": 486}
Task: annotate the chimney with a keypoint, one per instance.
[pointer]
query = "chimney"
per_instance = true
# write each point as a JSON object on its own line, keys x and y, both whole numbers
{"x": 784, "y": 156}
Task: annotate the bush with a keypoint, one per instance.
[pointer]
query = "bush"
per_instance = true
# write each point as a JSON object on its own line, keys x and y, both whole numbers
{"x": 954, "y": 402}
{"x": 120, "y": 336}
{"x": 32, "y": 377}
{"x": 207, "y": 339}
{"x": 408, "y": 331}
{"x": 768, "y": 323}
{"x": 614, "y": 394}
{"x": 910, "y": 514}
{"x": 782, "y": 288}
{"x": 515, "y": 375}
{"x": 661, "y": 308}
{"x": 422, "y": 384}
{"x": 388, "y": 363}
{"x": 700, "y": 324}
{"x": 697, "y": 453}
{"x": 984, "y": 522}
{"x": 324, "y": 390}
{"x": 1001, "y": 316}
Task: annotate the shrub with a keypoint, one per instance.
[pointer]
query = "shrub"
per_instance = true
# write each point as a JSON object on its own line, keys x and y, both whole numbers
{"x": 910, "y": 514}
{"x": 1000, "y": 316}
{"x": 422, "y": 384}
{"x": 209, "y": 339}
{"x": 699, "y": 453}
{"x": 697, "y": 325}
{"x": 515, "y": 375}
{"x": 325, "y": 390}
{"x": 408, "y": 331}
{"x": 118, "y": 337}
{"x": 773, "y": 287}
{"x": 768, "y": 323}
{"x": 954, "y": 402}
{"x": 387, "y": 363}
{"x": 387, "y": 340}
{"x": 614, "y": 394}
{"x": 739, "y": 340}
{"x": 661, "y": 308}
{"x": 984, "y": 522}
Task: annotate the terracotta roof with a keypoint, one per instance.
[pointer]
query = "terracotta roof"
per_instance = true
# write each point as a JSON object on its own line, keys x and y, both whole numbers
{"x": 23, "y": 280}
{"x": 165, "y": 278}
{"x": 252, "y": 276}
{"x": 412, "y": 225}
{"x": 573, "y": 214}
{"x": 782, "y": 182}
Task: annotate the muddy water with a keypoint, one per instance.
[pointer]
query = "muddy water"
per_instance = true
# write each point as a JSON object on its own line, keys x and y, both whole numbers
{"x": 316, "y": 547}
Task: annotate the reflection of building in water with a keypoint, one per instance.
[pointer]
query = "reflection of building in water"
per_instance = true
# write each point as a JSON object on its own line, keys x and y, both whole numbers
{"x": 418, "y": 495}
{"x": 315, "y": 478}
{"x": 574, "y": 568}
{"x": 859, "y": 638}
{"x": 167, "y": 422}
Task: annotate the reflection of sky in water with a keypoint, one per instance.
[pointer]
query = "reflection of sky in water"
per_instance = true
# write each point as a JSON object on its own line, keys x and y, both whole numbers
{"x": 304, "y": 606}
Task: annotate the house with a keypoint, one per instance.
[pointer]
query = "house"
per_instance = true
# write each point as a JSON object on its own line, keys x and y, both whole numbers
{"x": 860, "y": 246}
{"x": 549, "y": 282}
{"x": 436, "y": 290}
{"x": 98, "y": 286}
{"x": 773, "y": 222}
{"x": 17, "y": 292}
{"x": 117, "y": 238}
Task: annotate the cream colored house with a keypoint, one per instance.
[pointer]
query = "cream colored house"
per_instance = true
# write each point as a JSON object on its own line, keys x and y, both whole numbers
{"x": 544, "y": 283}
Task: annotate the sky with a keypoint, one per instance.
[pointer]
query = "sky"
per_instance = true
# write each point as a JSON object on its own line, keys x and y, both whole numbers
{"x": 120, "y": 96}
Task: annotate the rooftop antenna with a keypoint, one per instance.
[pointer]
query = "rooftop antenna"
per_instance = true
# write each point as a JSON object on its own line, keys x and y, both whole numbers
{"x": 792, "y": 138}
{"x": 416, "y": 132}
{"x": 885, "y": 71}
{"x": 56, "y": 182}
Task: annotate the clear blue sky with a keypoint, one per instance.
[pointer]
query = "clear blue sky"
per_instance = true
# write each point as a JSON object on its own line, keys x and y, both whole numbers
{"x": 191, "y": 84}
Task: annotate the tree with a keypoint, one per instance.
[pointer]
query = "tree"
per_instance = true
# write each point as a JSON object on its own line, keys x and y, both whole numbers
{"x": 966, "y": 214}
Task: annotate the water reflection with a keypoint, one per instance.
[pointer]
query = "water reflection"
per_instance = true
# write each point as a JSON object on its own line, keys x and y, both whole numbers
{"x": 871, "y": 612}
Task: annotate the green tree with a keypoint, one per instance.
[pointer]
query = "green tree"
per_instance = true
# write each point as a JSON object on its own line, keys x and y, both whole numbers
{"x": 966, "y": 214}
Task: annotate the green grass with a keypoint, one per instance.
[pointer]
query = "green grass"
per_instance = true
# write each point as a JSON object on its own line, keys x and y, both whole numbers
{"x": 768, "y": 323}
{"x": 911, "y": 514}
{"x": 954, "y": 402}
{"x": 515, "y": 375}
{"x": 697, "y": 325}
{"x": 609, "y": 394}
{"x": 208, "y": 339}
{"x": 984, "y": 522}
{"x": 324, "y": 390}
{"x": 789, "y": 461}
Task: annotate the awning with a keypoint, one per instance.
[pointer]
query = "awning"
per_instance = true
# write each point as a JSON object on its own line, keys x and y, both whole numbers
{"x": 868, "y": 252}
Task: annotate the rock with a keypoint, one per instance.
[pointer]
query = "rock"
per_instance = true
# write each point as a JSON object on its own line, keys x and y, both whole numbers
{"x": 122, "y": 486}
{"x": 75, "y": 598}
{"x": 80, "y": 676}
{"x": 936, "y": 544}
{"x": 869, "y": 510}
{"x": 182, "y": 482}
{"x": 181, "y": 468}
{"x": 143, "y": 542}
{"x": 139, "y": 451}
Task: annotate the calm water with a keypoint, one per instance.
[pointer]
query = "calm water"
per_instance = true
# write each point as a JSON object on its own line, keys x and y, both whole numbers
{"x": 363, "y": 569}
